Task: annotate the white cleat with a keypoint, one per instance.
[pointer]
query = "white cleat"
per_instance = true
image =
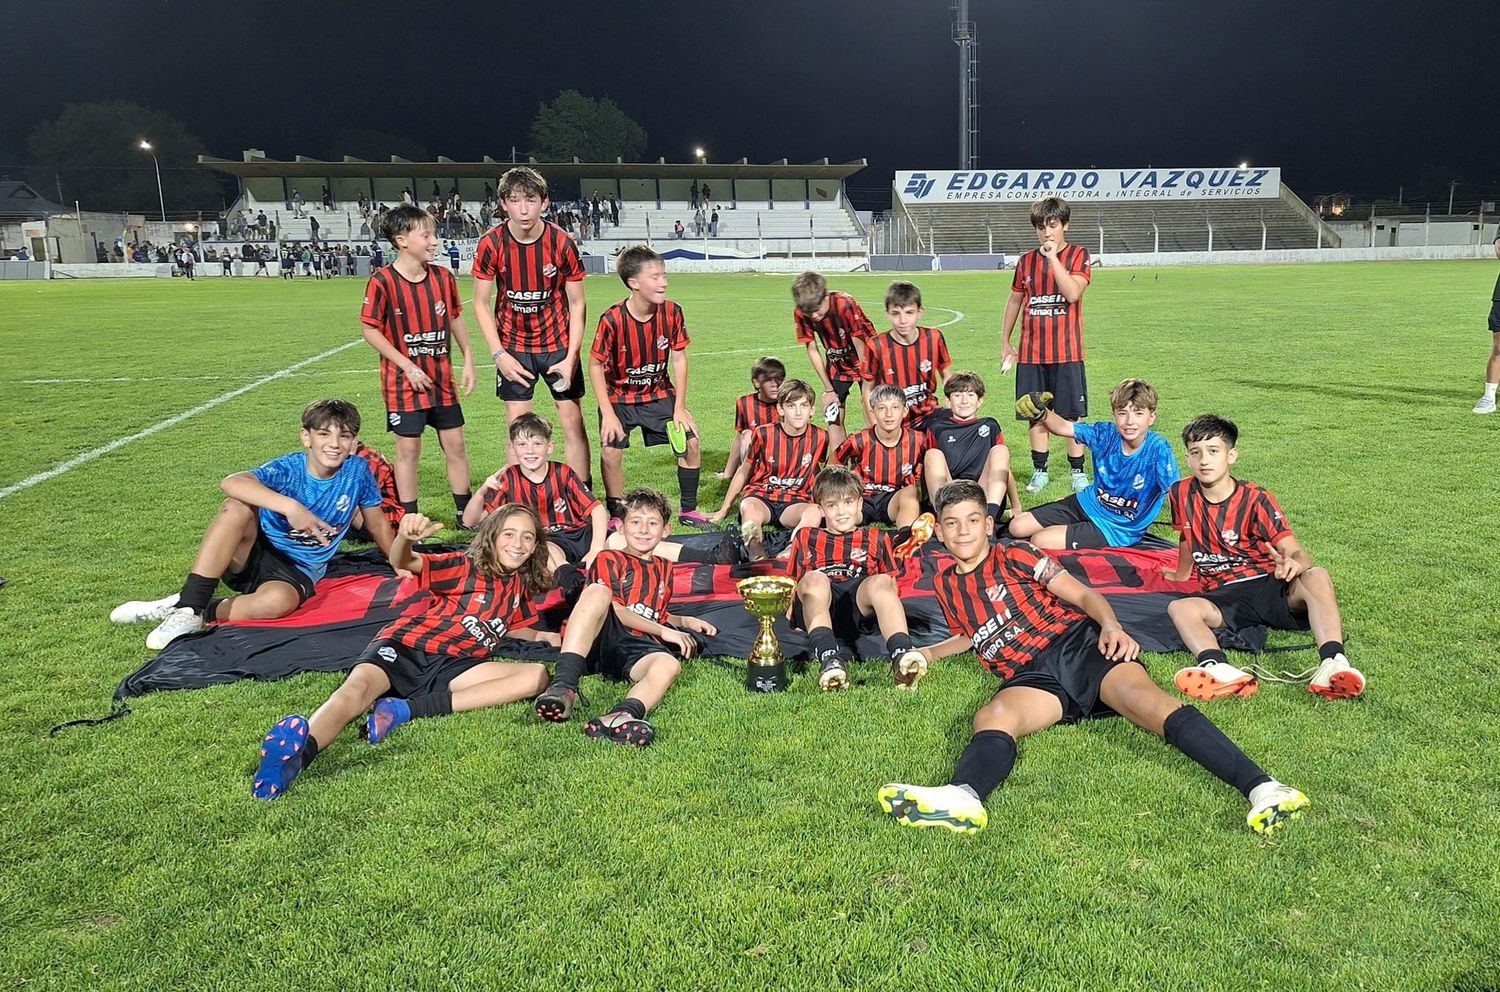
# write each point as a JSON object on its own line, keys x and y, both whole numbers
{"x": 909, "y": 668}
{"x": 1337, "y": 679}
{"x": 1486, "y": 404}
{"x": 139, "y": 610}
{"x": 949, "y": 807}
{"x": 1215, "y": 680}
{"x": 178, "y": 622}
{"x": 1272, "y": 804}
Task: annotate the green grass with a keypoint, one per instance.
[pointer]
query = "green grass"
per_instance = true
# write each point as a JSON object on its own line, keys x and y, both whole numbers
{"x": 744, "y": 850}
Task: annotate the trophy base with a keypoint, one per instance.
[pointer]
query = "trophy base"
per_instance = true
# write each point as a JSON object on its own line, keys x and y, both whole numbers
{"x": 766, "y": 678}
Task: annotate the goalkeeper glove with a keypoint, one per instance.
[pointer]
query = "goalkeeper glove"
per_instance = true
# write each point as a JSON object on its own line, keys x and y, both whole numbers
{"x": 1033, "y": 406}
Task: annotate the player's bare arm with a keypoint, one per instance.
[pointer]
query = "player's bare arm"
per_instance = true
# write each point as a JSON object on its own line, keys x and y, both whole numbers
{"x": 736, "y": 484}
{"x": 484, "y": 312}
{"x": 683, "y": 642}
{"x": 1291, "y": 558}
{"x": 610, "y": 428}
{"x": 1184, "y": 569}
{"x": 246, "y": 488}
{"x": 1114, "y": 643}
{"x": 414, "y": 529}
{"x": 598, "y": 533}
{"x": 680, "y": 379}
{"x": 1008, "y": 354}
{"x": 820, "y": 367}
{"x": 416, "y": 380}
{"x": 943, "y": 649}
{"x": 1069, "y": 285}
{"x": 578, "y": 309}
{"x": 458, "y": 330}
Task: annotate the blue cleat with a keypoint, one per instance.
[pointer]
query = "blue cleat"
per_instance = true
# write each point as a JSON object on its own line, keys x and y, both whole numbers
{"x": 280, "y": 757}
{"x": 387, "y": 715}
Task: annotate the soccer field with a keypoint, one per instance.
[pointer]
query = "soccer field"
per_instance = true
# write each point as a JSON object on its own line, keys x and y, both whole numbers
{"x": 745, "y": 850}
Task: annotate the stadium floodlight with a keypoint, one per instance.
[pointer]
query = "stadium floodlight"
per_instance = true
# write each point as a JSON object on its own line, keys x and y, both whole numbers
{"x": 161, "y": 201}
{"x": 1244, "y": 165}
{"x": 701, "y": 155}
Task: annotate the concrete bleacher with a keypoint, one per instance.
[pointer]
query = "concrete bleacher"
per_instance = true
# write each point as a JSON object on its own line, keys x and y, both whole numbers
{"x": 1167, "y": 226}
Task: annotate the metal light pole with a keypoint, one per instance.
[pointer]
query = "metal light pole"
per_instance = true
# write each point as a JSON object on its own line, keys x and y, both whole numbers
{"x": 161, "y": 200}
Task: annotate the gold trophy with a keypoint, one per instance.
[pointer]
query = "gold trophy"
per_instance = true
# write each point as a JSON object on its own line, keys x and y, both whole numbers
{"x": 767, "y": 597}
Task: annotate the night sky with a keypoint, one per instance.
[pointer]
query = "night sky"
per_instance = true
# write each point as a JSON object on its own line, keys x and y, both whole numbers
{"x": 1343, "y": 96}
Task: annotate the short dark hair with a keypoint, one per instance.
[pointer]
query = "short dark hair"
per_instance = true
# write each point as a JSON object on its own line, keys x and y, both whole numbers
{"x": 836, "y": 482}
{"x": 808, "y": 291}
{"x": 886, "y": 393}
{"x": 768, "y": 368}
{"x": 1210, "y": 425}
{"x": 795, "y": 389}
{"x": 902, "y": 294}
{"x": 1051, "y": 208}
{"x": 321, "y": 413}
{"x": 530, "y": 425}
{"x": 403, "y": 220}
{"x": 632, "y": 260}
{"x": 646, "y": 498}
{"x": 964, "y": 382}
{"x": 956, "y": 492}
{"x": 525, "y": 179}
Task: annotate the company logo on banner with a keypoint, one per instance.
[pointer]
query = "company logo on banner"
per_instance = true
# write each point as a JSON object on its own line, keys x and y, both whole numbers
{"x": 1097, "y": 185}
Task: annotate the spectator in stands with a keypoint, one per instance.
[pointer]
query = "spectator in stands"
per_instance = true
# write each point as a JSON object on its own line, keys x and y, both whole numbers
{"x": 698, "y": 221}
{"x": 327, "y": 198}
{"x": 678, "y": 229}
{"x": 227, "y": 260}
{"x": 407, "y": 196}
{"x": 437, "y": 192}
{"x": 713, "y": 224}
{"x": 297, "y": 202}
{"x": 21, "y": 255}
{"x": 614, "y": 210}
{"x": 693, "y": 195}
{"x": 489, "y": 192}
{"x": 260, "y": 224}
{"x": 315, "y": 226}
{"x": 271, "y": 231}
{"x": 706, "y": 194}
{"x": 364, "y": 205}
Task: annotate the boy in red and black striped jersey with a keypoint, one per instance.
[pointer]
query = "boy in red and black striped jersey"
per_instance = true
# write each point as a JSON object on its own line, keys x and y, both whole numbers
{"x": 1047, "y": 294}
{"x": 964, "y": 445}
{"x": 837, "y": 322}
{"x": 755, "y": 409}
{"x": 438, "y": 658}
{"x": 638, "y": 338}
{"x": 888, "y": 460}
{"x": 909, "y": 357}
{"x": 621, "y": 628}
{"x": 573, "y": 520}
{"x": 1062, "y": 656}
{"x": 845, "y": 578}
{"x": 778, "y": 470}
{"x": 1253, "y": 571}
{"x": 411, "y": 309}
{"x": 535, "y": 327}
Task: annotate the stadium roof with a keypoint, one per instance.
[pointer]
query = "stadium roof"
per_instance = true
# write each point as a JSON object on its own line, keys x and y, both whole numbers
{"x": 257, "y": 166}
{"x": 20, "y": 202}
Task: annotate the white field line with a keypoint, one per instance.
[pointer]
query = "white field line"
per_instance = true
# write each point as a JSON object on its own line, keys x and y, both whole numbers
{"x": 172, "y": 421}
{"x": 957, "y": 316}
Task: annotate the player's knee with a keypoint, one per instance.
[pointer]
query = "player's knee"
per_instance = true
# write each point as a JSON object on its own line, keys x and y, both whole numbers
{"x": 238, "y": 510}
{"x": 1023, "y": 525}
{"x": 594, "y": 596}
{"x": 664, "y": 666}
{"x": 1188, "y": 610}
{"x": 612, "y": 456}
{"x": 881, "y": 585}
{"x": 995, "y": 715}
{"x": 814, "y": 582}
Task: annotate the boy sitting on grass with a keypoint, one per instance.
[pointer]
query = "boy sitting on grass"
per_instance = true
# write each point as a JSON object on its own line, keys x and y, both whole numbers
{"x": 1062, "y": 656}
{"x": 887, "y": 457}
{"x": 845, "y": 578}
{"x": 275, "y": 533}
{"x": 621, "y": 628}
{"x": 1253, "y": 570}
{"x": 964, "y": 445}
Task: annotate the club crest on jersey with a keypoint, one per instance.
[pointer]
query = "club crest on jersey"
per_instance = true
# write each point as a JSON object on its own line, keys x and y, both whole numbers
{"x": 549, "y": 270}
{"x": 1139, "y": 482}
{"x": 394, "y": 418}
{"x": 559, "y": 505}
{"x": 984, "y": 431}
{"x": 343, "y": 503}
{"x": 906, "y": 468}
{"x": 925, "y": 366}
{"x": 387, "y": 654}
{"x": 807, "y": 459}
{"x": 995, "y": 593}
{"x": 1230, "y": 535}
{"x": 662, "y": 342}
{"x": 439, "y": 308}
{"x": 857, "y": 554}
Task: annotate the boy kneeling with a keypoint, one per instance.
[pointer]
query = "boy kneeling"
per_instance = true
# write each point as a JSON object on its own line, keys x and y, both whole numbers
{"x": 620, "y": 628}
{"x": 1062, "y": 657}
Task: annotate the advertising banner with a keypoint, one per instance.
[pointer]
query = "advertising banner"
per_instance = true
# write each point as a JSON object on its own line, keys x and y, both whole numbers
{"x": 1086, "y": 185}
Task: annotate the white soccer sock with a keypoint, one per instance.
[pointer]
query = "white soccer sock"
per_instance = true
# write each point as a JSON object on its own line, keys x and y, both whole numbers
{"x": 1262, "y": 790}
{"x": 1489, "y": 390}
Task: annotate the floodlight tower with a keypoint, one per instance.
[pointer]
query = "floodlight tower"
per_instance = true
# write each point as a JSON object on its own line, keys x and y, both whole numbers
{"x": 967, "y": 40}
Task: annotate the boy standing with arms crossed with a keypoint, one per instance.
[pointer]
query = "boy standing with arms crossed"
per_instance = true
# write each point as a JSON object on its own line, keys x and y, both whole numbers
{"x": 411, "y": 308}
{"x": 1047, "y": 294}
{"x": 835, "y": 320}
{"x": 534, "y": 328}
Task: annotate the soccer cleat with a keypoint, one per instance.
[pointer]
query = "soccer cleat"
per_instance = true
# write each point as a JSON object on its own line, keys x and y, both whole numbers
{"x": 1038, "y": 482}
{"x": 1080, "y": 481}
{"x": 695, "y": 518}
{"x": 833, "y": 676}
{"x": 1215, "y": 680}
{"x": 555, "y": 704}
{"x": 179, "y": 621}
{"x": 138, "y": 610}
{"x": 951, "y": 807}
{"x": 754, "y": 540}
{"x": 387, "y": 715}
{"x": 1273, "y": 804}
{"x": 280, "y": 757}
{"x": 1337, "y": 679}
{"x": 921, "y": 533}
{"x": 636, "y": 733}
{"x": 1486, "y": 404}
{"x": 677, "y": 437}
{"x": 908, "y": 668}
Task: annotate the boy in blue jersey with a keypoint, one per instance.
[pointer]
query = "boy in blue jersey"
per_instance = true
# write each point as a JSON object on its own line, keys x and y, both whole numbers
{"x": 274, "y": 535}
{"x": 1133, "y": 469}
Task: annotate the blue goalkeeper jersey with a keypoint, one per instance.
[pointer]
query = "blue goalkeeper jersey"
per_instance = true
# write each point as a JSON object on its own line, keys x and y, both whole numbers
{"x": 1128, "y": 489}
{"x": 332, "y": 501}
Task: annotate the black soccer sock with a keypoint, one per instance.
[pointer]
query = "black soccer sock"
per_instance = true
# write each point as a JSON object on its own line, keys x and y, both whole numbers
{"x": 569, "y": 579}
{"x": 1213, "y": 656}
{"x": 310, "y": 750}
{"x": 1195, "y": 735}
{"x": 986, "y": 762}
{"x": 1039, "y": 461}
{"x": 898, "y": 644}
{"x": 687, "y": 485}
{"x": 823, "y": 642}
{"x": 1328, "y": 649}
{"x": 1075, "y": 462}
{"x": 615, "y": 505}
{"x": 410, "y": 506}
{"x": 431, "y": 704}
{"x": 461, "y": 502}
{"x": 211, "y": 611}
{"x": 633, "y": 707}
{"x": 569, "y": 670}
{"x": 196, "y": 592}
{"x": 994, "y": 510}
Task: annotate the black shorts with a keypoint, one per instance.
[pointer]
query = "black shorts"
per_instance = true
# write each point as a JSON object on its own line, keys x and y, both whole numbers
{"x": 1066, "y": 382}
{"x": 1072, "y": 669}
{"x": 417, "y": 673}
{"x": 841, "y": 388}
{"x": 413, "y": 422}
{"x": 843, "y": 609}
{"x": 1068, "y": 512}
{"x": 1495, "y": 314}
{"x": 538, "y": 364}
{"x": 617, "y": 649}
{"x": 876, "y": 509}
{"x": 777, "y": 506}
{"x": 268, "y": 563}
{"x": 1258, "y": 602}
{"x": 652, "y": 418}
{"x": 573, "y": 544}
